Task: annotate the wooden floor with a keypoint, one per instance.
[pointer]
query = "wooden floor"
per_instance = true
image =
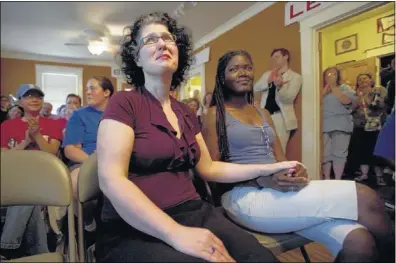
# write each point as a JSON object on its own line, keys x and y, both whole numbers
{"x": 316, "y": 252}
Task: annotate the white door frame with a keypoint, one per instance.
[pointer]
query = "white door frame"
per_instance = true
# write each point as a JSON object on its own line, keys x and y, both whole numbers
{"x": 309, "y": 70}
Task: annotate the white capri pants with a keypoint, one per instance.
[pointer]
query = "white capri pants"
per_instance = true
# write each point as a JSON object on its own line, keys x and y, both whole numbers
{"x": 335, "y": 145}
{"x": 324, "y": 211}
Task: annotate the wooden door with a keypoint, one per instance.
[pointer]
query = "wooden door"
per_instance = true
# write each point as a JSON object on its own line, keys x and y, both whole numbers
{"x": 350, "y": 71}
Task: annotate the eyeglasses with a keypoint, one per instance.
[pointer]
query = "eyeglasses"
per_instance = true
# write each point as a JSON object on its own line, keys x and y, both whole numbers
{"x": 266, "y": 141}
{"x": 153, "y": 39}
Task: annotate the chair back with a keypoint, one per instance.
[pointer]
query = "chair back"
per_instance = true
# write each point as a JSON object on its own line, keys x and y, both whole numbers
{"x": 34, "y": 178}
{"x": 88, "y": 181}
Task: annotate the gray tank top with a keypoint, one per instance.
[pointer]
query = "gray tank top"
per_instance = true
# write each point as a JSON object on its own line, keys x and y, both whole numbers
{"x": 250, "y": 144}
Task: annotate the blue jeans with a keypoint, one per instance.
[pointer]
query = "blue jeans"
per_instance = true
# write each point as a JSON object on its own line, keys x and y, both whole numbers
{"x": 24, "y": 224}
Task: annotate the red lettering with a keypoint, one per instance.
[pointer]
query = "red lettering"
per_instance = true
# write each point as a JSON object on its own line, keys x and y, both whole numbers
{"x": 292, "y": 15}
{"x": 311, "y": 5}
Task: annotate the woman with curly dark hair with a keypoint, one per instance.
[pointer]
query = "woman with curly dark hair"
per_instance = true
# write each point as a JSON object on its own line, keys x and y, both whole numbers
{"x": 147, "y": 144}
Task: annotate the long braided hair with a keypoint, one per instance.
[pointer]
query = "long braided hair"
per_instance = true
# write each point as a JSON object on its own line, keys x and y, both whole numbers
{"x": 220, "y": 93}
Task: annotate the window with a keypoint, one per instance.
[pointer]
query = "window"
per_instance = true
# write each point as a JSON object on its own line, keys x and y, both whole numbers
{"x": 57, "y": 82}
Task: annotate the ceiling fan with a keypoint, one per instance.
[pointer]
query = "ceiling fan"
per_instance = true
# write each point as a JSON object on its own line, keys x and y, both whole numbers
{"x": 98, "y": 41}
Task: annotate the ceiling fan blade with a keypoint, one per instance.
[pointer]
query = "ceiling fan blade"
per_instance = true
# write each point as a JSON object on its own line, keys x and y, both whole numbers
{"x": 75, "y": 44}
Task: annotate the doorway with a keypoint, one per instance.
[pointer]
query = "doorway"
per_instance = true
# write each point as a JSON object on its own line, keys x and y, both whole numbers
{"x": 354, "y": 45}
{"x": 194, "y": 85}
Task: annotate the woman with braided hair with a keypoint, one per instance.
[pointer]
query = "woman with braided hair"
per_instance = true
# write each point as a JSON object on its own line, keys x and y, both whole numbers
{"x": 147, "y": 144}
{"x": 347, "y": 217}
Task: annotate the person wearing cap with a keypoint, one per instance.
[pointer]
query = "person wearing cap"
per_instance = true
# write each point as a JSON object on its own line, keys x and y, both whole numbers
{"x": 32, "y": 132}
{"x": 24, "y": 224}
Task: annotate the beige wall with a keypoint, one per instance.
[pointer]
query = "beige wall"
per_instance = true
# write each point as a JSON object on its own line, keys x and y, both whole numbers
{"x": 17, "y": 71}
{"x": 259, "y": 36}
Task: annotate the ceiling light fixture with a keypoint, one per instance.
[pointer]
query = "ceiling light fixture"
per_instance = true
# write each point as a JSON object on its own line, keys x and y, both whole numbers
{"x": 97, "y": 47}
{"x": 182, "y": 8}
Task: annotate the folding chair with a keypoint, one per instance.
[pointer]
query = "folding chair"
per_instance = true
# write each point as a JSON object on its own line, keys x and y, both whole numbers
{"x": 277, "y": 243}
{"x": 38, "y": 178}
{"x": 87, "y": 189}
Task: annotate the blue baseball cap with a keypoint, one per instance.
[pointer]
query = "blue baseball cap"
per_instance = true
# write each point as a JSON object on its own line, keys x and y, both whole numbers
{"x": 24, "y": 88}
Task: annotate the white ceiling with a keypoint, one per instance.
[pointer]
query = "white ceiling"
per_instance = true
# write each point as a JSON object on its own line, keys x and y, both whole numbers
{"x": 42, "y": 28}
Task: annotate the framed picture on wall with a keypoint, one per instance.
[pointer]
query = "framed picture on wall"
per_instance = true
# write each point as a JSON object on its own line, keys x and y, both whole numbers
{"x": 346, "y": 44}
{"x": 388, "y": 38}
{"x": 385, "y": 23}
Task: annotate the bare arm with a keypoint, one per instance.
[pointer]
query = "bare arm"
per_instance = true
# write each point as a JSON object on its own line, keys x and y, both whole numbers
{"x": 344, "y": 99}
{"x": 128, "y": 200}
{"x": 214, "y": 170}
{"x": 50, "y": 147}
{"x": 74, "y": 153}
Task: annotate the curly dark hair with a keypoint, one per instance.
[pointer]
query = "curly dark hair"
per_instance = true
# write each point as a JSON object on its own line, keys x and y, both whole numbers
{"x": 130, "y": 45}
{"x": 220, "y": 93}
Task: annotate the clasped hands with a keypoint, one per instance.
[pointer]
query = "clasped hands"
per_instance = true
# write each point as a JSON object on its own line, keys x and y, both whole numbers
{"x": 33, "y": 130}
{"x": 296, "y": 176}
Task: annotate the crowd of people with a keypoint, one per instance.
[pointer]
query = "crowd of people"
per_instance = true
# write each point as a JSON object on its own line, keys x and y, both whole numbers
{"x": 352, "y": 120}
{"x": 151, "y": 209}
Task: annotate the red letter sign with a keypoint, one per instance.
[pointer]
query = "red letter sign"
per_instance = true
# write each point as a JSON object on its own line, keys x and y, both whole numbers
{"x": 310, "y": 5}
{"x": 292, "y": 15}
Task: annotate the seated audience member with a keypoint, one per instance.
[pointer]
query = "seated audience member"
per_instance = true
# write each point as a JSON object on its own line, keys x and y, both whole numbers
{"x": 193, "y": 104}
{"x": 73, "y": 101}
{"x": 337, "y": 122}
{"x": 347, "y": 217}
{"x": 207, "y": 99}
{"x": 31, "y": 132}
{"x": 276, "y": 91}
{"x": 46, "y": 111}
{"x": 5, "y": 106}
{"x": 81, "y": 131}
{"x": 24, "y": 225}
{"x": 147, "y": 143}
{"x": 60, "y": 112}
{"x": 368, "y": 115}
{"x": 16, "y": 112}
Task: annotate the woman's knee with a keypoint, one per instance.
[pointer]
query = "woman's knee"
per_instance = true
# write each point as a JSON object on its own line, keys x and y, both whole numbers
{"x": 360, "y": 245}
{"x": 368, "y": 200}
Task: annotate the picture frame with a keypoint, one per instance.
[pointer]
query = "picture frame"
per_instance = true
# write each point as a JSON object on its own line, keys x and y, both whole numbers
{"x": 346, "y": 44}
{"x": 385, "y": 23}
{"x": 388, "y": 38}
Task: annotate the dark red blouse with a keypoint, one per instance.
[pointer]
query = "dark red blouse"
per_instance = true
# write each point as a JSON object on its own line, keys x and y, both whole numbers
{"x": 160, "y": 162}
